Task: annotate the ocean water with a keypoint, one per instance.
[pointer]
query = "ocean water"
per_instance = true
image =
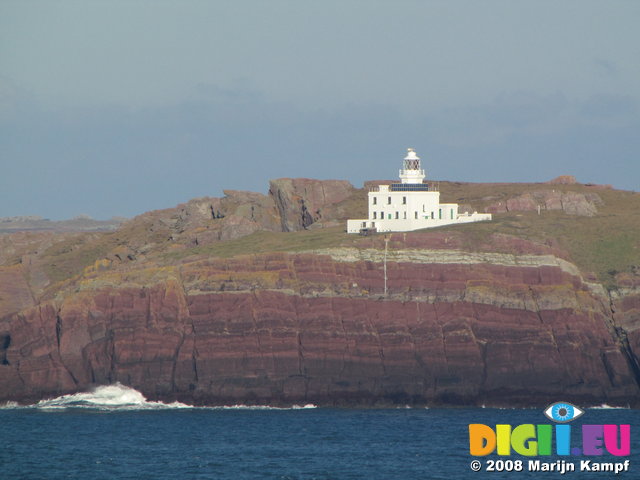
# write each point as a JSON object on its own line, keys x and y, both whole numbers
{"x": 114, "y": 433}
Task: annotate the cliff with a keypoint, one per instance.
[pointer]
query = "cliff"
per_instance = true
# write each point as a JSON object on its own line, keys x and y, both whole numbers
{"x": 259, "y": 299}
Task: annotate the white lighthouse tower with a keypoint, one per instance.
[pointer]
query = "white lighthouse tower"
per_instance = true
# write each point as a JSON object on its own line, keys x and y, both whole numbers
{"x": 412, "y": 204}
{"x": 411, "y": 173}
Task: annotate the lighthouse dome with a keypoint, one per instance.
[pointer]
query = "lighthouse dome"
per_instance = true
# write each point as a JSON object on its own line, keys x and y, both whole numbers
{"x": 411, "y": 155}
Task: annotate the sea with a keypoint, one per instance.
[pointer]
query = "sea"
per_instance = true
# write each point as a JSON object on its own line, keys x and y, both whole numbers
{"x": 113, "y": 432}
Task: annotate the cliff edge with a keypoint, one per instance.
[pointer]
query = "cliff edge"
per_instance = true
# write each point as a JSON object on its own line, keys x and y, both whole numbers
{"x": 263, "y": 299}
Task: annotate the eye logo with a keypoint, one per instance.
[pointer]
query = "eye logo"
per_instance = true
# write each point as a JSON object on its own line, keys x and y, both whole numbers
{"x": 563, "y": 412}
{"x": 533, "y": 440}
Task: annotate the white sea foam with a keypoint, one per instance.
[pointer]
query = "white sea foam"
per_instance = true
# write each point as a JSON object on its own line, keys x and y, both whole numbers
{"x": 604, "y": 406}
{"x": 120, "y": 397}
{"x": 107, "y": 397}
{"x": 263, "y": 407}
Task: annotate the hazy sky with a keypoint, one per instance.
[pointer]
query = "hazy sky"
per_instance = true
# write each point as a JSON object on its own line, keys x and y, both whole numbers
{"x": 118, "y": 107}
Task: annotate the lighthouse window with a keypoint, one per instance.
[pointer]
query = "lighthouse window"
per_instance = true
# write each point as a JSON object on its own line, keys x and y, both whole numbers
{"x": 397, "y": 215}
{"x": 389, "y": 200}
{"x": 404, "y": 200}
{"x": 375, "y": 200}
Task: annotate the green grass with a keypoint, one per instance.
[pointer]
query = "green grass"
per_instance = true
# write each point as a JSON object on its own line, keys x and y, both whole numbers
{"x": 605, "y": 244}
{"x": 71, "y": 255}
{"x": 266, "y": 242}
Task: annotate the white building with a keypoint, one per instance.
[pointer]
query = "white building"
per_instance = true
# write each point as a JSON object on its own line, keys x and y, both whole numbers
{"x": 409, "y": 205}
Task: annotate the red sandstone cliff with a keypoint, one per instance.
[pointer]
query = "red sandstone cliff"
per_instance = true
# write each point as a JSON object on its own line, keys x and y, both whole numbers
{"x": 507, "y": 322}
{"x": 282, "y": 328}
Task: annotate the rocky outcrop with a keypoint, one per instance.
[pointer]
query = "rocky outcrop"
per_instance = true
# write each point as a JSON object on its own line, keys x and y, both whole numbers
{"x": 454, "y": 327}
{"x": 293, "y": 204}
{"x": 302, "y": 202}
{"x": 205, "y": 220}
{"x": 572, "y": 203}
{"x": 563, "y": 180}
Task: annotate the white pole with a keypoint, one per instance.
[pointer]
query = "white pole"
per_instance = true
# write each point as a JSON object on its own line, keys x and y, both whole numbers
{"x": 386, "y": 243}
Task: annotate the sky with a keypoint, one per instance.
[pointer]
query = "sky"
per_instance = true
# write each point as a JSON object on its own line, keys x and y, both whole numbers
{"x": 114, "y": 108}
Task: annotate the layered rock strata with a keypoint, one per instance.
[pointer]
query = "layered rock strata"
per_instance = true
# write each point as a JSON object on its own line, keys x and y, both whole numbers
{"x": 453, "y": 328}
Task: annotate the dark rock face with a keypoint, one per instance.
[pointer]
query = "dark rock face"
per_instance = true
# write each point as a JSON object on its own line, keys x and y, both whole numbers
{"x": 303, "y": 201}
{"x": 625, "y": 309}
{"x": 290, "y": 328}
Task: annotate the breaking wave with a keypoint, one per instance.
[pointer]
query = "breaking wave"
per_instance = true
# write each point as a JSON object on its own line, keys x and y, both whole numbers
{"x": 118, "y": 397}
{"x": 107, "y": 397}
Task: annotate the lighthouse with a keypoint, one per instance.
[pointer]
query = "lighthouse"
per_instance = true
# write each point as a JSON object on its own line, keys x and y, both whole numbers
{"x": 412, "y": 172}
{"x": 411, "y": 204}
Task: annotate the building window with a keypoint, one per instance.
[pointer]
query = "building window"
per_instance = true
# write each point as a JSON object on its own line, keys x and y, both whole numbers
{"x": 364, "y": 224}
{"x": 389, "y": 200}
{"x": 452, "y": 214}
{"x": 433, "y": 215}
{"x": 375, "y": 200}
{"x": 398, "y": 215}
{"x": 381, "y": 215}
{"x": 416, "y": 215}
{"x": 404, "y": 200}
{"x": 423, "y": 207}
{"x": 440, "y": 214}
{"x": 374, "y": 215}
{"x": 405, "y": 215}
{"x": 389, "y": 215}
